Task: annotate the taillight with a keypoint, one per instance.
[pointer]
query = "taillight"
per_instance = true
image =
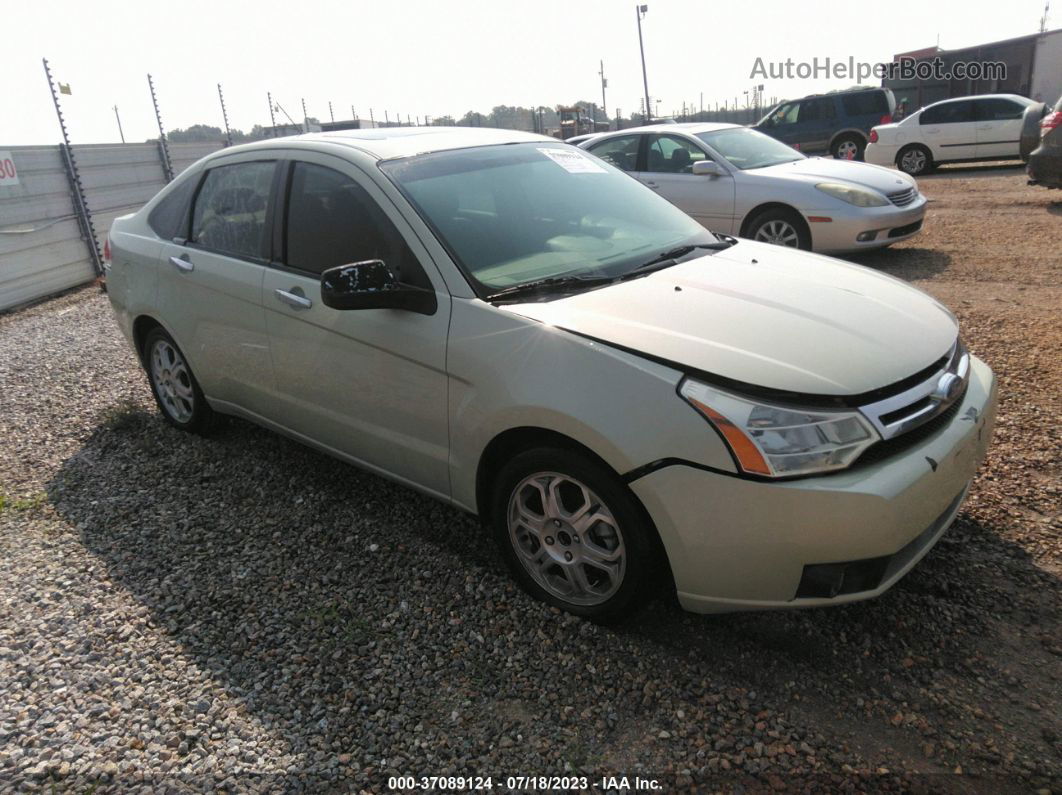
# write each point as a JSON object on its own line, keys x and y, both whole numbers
{"x": 1050, "y": 122}
{"x": 873, "y": 136}
{"x": 886, "y": 119}
{"x": 107, "y": 251}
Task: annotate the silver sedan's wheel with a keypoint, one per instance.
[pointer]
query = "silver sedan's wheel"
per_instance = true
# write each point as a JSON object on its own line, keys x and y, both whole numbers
{"x": 172, "y": 381}
{"x": 566, "y": 538}
{"x": 778, "y": 232}
{"x": 914, "y": 161}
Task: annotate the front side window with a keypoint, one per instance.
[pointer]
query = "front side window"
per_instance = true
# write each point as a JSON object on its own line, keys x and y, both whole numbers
{"x": 786, "y": 113}
{"x": 557, "y": 212}
{"x": 998, "y": 109}
{"x": 332, "y": 220}
{"x": 747, "y": 149}
{"x": 622, "y": 151}
{"x": 948, "y": 113}
{"x": 669, "y": 154}
{"x": 230, "y": 211}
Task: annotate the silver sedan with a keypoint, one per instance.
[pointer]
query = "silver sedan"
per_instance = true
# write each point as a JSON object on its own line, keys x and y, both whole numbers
{"x": 739, "y": 181}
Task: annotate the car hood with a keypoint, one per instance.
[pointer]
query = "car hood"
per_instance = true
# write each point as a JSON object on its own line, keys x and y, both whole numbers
{"x": 768, "y": 316}
{"x": 820, "y": 169}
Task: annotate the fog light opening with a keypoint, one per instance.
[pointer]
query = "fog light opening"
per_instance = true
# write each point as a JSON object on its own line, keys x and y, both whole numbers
{"x": 866, "y": 237}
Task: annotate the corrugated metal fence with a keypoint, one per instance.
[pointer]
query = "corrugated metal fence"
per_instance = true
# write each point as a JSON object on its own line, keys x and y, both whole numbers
{"x": 42, "y": 250}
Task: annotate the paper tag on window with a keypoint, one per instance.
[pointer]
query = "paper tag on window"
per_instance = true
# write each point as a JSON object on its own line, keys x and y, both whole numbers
{"x": 572, "y": 160}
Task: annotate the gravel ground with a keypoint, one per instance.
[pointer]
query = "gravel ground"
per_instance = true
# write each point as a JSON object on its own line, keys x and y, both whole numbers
{"x": 243, "y": 613}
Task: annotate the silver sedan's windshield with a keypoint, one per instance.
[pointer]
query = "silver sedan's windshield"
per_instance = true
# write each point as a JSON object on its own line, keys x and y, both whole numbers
{"x": 518, "y": 213}
{"x": 747, "y": 149}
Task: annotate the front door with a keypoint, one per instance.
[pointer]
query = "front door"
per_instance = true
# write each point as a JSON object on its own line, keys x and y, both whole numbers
{"x": 210, "y": 284}
{"x": 369, "y": 383}
{"x": 950, "y": 130}
{"x": 669, "y": 171}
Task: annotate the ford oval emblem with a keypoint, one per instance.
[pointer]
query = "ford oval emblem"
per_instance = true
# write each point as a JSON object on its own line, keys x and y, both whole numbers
{"x": 947, "y": 388}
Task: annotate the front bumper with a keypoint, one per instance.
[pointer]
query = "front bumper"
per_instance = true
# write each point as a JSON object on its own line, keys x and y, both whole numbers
{"x": 737, "y": 544}
{"x": 888, "y": 225}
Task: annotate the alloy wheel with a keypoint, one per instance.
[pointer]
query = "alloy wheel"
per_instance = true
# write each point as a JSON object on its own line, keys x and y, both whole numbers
{"x": 913, "y": 161}
{"x": 778, "y": 233}
{"x": 566, "y": 538}
{"x": 172, "y": 381}
{"x": 847, "y": 150}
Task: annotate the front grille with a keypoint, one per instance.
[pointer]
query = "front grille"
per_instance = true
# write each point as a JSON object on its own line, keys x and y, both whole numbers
{"x": 890, "y": 447}
{"x": 902, "y": 198}
{"x": 910, "y": 229}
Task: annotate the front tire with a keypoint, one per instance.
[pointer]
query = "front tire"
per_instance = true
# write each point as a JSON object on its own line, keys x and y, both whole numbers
{"x": 780, "y": 227}
{"x": 573, "y": 535}
{"x": 176, "y": 391}
{"x": 914, "y": 160}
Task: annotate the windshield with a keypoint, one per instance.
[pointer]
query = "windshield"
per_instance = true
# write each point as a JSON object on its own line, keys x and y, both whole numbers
{"x": 747, "y": 149}
{"x": 519, "y": 213}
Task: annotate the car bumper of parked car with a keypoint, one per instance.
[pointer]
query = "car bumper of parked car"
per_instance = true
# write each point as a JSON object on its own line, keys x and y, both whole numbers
{"x": 1045, "y": 166}
{"x": 880, "y": 154}
{"x": 856, "y": 228}
{"x": 737, "y": 544}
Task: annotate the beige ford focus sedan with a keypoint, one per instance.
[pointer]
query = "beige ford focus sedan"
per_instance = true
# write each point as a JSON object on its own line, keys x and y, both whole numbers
{"x": 513, "y": 326}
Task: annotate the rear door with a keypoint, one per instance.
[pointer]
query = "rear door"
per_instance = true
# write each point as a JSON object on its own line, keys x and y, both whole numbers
{"x": 816, "y": 121}
{"x": 950, "y": 130}
{"x": 210, "y": 282}
{"x": 669, "y": 171}
{"x": 999, "y": 122}
{"x": 372, "y": 383}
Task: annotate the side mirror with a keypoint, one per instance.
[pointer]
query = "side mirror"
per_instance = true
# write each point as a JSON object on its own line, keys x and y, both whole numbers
{"x": 707, "y": 168}
{"x": 372, "y": 285}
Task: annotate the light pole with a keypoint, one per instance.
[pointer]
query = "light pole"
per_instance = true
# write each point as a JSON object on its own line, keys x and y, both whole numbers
{"x": 604, "y": 85}
{"x": 640, "y": 12}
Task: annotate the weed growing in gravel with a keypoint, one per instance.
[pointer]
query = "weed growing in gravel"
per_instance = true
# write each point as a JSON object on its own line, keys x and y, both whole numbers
{"x": 121, "y": 416}
{"x": 8, "y": 502}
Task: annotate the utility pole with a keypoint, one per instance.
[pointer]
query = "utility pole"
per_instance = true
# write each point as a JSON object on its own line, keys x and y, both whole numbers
{"x": 272, "y": 118}
{"x": 164, "y": 147}
{"x": 331, "y": 115}
{"x": 119, "y": 119}
{"x": 1043, "y": 19}
{"x": 604, "y": 85}
{"x": 305, "y": 118}
{"x": 640, "y": 12}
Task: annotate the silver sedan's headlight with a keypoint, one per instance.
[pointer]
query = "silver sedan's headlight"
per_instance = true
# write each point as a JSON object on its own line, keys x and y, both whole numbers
{"x": 852, "y": 195}
{"x": 775, "y": 442}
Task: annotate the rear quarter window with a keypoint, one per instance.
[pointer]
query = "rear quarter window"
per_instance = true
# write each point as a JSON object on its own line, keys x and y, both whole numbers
{"x": 169, "y": 218}
{"x": 864, "y": 104}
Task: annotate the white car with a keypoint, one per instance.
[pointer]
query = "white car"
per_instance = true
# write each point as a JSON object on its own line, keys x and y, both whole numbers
{"x": 520, "y": 330}
{"x": 738, "y": 181}
{"x": 963, "y": 130}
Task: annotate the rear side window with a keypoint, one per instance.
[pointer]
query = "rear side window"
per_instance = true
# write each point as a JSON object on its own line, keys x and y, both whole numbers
{"x": 331, "y": 220}
{"x": 997, "y": 109}
{"x": 230, "y": 211}
{"x": 622, "y": 152}
{"x": 818, "y": 109}
{"x": 169, "y": 218}
{"x": 948, "y": 113}
{"x": 865, "y": 103}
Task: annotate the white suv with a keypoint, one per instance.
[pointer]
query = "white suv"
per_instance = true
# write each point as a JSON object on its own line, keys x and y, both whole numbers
{"x": 965, "y": 129}
{"x": 517, "y": 328}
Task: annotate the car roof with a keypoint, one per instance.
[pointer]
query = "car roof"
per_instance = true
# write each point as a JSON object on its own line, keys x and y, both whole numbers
{"x": 386, "y": 143}
{"x": 691, "y": 127}
{"x": 1017, "y": 97}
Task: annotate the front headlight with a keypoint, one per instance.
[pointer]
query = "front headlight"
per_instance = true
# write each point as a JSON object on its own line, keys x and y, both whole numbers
{"x": 852, "y": 195}
{"x": 773, "y": 441}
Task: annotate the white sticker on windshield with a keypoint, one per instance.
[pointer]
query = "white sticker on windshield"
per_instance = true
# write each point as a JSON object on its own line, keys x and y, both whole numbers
{"x": 572, "y": 160}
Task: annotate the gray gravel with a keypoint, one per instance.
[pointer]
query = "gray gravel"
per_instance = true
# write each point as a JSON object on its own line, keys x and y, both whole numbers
{"x": 243, "y": 613}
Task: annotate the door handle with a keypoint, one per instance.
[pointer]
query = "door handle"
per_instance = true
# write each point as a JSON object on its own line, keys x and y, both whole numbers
{"x": 182, "y": 264}
{"x": 293, "y": 299}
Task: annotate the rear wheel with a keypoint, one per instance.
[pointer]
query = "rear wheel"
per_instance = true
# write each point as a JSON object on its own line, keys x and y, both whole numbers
{"x": 914, "y": 160}
{"x": 848, "y": 147}
{"x": 573, "y": 536}
{"x": 176, "y": 391}
{"x": 780, "y": 227}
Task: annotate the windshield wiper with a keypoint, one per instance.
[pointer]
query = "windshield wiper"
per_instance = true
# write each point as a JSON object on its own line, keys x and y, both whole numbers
{"x": 671, "y": 256}
{"x": 551, "y": 284}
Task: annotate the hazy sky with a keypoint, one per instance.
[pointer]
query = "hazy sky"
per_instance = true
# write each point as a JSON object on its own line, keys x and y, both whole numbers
{"x": 421, "y": 57}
